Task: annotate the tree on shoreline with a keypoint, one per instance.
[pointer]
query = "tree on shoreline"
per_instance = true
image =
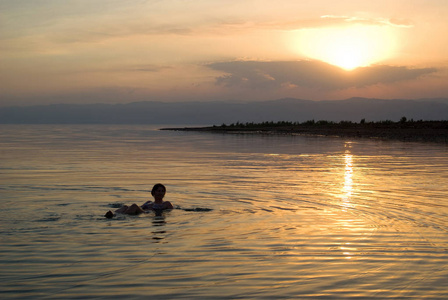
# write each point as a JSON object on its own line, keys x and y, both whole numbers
{"x": 312, "y": 123}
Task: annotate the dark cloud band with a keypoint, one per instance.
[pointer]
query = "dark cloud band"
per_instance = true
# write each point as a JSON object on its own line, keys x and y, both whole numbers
{"x": 313, "y": 74}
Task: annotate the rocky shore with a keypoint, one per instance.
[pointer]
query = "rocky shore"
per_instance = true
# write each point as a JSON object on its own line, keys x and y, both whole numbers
{"x": 418, "y": 131}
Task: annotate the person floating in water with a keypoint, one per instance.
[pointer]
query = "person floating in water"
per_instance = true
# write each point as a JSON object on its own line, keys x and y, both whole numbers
{"x": 158, "y": 192}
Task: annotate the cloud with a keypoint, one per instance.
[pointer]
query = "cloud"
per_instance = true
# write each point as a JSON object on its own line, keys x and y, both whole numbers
{"x": 307, "y": 73}
{"x": 149, "y": 68}
{"x": 97, "y": 31}
{"x": 395, "y": 22}
{"x": 324, "y": 21}
{"x": 401, "y": 22}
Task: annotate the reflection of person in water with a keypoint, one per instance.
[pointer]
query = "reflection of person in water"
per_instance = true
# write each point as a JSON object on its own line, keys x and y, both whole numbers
{"x": 158, "y": 192}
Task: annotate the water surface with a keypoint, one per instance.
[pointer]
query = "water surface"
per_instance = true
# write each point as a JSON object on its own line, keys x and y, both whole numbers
{"x": 290, "y": 216}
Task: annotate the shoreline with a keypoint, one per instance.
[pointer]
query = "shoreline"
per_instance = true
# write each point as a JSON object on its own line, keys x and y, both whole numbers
{"x": 420, "y": 131}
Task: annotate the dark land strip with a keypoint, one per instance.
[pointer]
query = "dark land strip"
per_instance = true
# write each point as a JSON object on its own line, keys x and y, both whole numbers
{"x": 412, "y": 131}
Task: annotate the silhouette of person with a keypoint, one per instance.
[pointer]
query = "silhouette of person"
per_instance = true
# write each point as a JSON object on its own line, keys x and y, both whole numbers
{"x": 158, "y": 192}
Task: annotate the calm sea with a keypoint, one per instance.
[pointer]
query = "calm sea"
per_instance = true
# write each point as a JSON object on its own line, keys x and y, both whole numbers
{"x": 257, "y": 217}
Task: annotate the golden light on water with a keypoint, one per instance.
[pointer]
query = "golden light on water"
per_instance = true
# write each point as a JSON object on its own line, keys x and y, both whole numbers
{"x": 347, "y": 47}
{"x": 348, "y": 175}
{"x": 347, "y": 192}
{"x": 286, "y": 217}
{"x": 347, "y": 189}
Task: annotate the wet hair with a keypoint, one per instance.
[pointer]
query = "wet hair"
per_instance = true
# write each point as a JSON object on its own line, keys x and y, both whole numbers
{"x": 156, "y": 186}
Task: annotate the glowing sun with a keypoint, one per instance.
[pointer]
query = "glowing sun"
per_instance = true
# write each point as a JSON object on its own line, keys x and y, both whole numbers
{"x": 347, "y": 47}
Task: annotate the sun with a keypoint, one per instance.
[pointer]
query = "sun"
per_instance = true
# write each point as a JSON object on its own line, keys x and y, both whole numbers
{"x": 347, "y": 47}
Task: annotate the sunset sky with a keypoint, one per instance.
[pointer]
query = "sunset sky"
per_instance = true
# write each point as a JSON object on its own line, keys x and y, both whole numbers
{"x": 119, "y": 51}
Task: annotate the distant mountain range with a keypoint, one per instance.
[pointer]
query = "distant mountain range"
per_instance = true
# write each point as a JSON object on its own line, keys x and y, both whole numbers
{"x": 217, "y": 113}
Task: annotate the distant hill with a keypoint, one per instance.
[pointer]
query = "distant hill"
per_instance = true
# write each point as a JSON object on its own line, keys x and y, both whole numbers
{"x": 216, "y": 113}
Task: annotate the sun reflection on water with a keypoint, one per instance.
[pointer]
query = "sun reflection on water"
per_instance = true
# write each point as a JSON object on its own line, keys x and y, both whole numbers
{"x": 347, "y": 189}
{"x": 347, "y": 201}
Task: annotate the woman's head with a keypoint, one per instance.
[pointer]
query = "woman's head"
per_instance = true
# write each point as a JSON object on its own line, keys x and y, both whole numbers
{"x": 156, "y": 187}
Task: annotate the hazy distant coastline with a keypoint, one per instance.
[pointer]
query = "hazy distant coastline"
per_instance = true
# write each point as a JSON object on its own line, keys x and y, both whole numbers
{"x": 218, "y": 112}
{"x": 403, "y": 130}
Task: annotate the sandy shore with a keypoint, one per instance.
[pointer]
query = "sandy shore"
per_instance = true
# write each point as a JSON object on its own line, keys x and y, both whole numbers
{"x": 422, "y": 131}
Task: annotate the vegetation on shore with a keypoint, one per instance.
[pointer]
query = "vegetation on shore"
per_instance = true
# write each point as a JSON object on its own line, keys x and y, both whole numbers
{"x": 404, "y": 129}
{"x": 404, "y": 122}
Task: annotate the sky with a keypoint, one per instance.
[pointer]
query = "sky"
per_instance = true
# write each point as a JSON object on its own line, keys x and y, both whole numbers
{"x": 121, "y": 51}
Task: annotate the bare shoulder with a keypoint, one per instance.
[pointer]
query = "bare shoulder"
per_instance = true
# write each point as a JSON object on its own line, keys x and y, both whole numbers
{"x": 168, "y": 205}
